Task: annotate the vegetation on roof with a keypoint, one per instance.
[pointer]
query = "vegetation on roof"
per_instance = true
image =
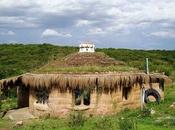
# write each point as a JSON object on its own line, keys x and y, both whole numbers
{"x": 17, "y": 59}
{"x": 84, "y": 63}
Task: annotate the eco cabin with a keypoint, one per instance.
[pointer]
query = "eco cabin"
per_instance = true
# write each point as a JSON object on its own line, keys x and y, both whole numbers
{"x": 96, "y": 94}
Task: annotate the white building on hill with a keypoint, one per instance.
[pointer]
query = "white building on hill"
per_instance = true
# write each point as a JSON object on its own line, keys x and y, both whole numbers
{"x": 87, "y": 47}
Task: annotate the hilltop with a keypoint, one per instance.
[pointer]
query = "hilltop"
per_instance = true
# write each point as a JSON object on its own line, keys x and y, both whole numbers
{"x": 96, "y": 58}
{"x": 17, "y": 59}
{"x": 84, "y": 63}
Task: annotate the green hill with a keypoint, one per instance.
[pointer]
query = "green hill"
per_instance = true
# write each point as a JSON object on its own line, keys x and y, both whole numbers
{"x": 16, "y": 59}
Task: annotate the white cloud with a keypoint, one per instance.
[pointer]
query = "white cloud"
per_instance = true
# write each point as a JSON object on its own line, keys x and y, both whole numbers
{"x": 96, "y": 31}
{"x": 164, "y": 34}
{"x": 84, "y": 22}
{"x": 54, "y": 33}
{"x": 123, "y": 11}
{"x": 89, "y": 17}
{"x": 16, "y": 21}
{"x": 117, "y": 27}
{"x": 11, "y": 3}
{"x": 8, "y": 33}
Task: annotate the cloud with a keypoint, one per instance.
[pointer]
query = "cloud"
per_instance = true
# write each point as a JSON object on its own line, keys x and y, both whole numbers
{"x": 96, "y": 31}
{"x": 88, "y": 18}
{"x": 84, "y": 22}
{"x": 17, "y": 22}
{"x": 164, "y": 34}
{"x": 8, "y": 33}
{"x": 54, "y": 33}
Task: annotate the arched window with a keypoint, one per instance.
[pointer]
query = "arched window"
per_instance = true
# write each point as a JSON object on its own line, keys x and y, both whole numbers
{"x": 86, "y": 97}
{"x": 77, "y": 96}
{"x": 81, "y": 96}
{"x": 125, "y": 92}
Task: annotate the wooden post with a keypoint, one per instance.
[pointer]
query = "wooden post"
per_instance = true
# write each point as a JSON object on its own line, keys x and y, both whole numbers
{"x": 147, "y": 66}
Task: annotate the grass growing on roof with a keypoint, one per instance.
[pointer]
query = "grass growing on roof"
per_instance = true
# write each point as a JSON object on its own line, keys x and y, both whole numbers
{"x": 85, "y": 69}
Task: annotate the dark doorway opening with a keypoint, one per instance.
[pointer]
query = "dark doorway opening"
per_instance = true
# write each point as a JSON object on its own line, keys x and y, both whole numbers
{"x": 23, "y": 96}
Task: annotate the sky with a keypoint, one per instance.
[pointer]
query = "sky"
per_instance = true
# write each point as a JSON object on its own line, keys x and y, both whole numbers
{"x": 134, "y": 24}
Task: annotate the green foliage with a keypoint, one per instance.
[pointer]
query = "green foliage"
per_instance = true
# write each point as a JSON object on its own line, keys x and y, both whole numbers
{"x": 159, "y": 60}
{"x": 86, "y": 69}
{"x": 146, "y": 112}
{"x": 127, "y": 124}
{"x": 17, "y": 59}
{"x": 45, "y": 124}
{"x": 165, "y": 121}
{"x": 8, "y": 104}
{"x": 76, "y": 119}
{"x": 106, "y": 123}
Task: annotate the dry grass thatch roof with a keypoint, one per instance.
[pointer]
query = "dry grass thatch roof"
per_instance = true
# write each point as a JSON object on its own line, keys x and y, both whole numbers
{"x": 104, "y": 81}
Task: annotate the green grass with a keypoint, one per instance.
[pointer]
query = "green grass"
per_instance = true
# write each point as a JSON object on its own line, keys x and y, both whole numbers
{"x": 86, "y": 69}
{"x": 8, "y": 104}
{"x": 16, "y": 59}
{"x": 159, "y": 60}
{"x": 5, "y": 123}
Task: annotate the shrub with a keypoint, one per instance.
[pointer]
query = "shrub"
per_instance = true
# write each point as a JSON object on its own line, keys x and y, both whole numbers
{"x": 76, "y": 119}
{"x": 104, "y": 124}
{"x": 146, "y": 112}
{"x": 165, "y": 121}
{"x": 127, "y": 124}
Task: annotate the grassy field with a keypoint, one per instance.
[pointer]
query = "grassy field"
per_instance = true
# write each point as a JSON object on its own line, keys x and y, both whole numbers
{"x": 18, "y": 59}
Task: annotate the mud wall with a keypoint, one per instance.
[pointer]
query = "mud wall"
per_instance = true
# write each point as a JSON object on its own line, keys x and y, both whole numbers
{"x": 61, "y": 104}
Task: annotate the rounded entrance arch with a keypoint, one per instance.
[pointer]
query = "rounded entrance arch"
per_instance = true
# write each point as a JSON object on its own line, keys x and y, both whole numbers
{"x": 154, "y": 93}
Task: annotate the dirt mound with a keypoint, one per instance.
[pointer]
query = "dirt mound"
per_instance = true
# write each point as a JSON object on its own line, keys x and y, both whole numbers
{"x": 97, "y": 58}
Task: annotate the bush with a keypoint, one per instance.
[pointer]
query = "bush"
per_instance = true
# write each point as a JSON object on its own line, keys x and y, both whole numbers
{"x": 165, "y": 121}
{"x": 104, "y": 124}
{"x": 76, "y": 119}
{"x": 146, "y": 112}
{"x": 127, "y": 124}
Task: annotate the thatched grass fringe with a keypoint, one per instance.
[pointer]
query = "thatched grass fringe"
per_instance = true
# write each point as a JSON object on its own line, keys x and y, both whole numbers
{"x": 105, "y": 82}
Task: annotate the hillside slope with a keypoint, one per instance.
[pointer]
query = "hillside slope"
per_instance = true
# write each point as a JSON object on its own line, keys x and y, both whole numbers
{"x": 97, "y": 62}
{"x": 17, "y": 58}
